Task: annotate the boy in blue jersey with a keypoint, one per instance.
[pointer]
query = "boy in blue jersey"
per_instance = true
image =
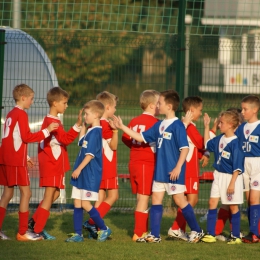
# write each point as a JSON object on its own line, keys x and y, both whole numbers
{"x": 248, "y": 134}
{"x": 171, "y": 151}
{"x": 228, "y": 180}
{"x": 87, "y": 173}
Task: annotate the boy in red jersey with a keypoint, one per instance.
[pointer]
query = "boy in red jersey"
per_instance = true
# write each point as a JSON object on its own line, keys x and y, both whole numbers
{"x": 16, "y": 135}
{"x": 142, "y": 160}
{"x": 108, "y": 191}
{"x": 53, "y": 159}
{"x": 196, "y": 153}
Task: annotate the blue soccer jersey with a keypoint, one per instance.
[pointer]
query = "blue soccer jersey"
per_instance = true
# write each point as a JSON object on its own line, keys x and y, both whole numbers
{"x": 170, "y": 137}
{"x": 229, "y": 156}
{"x": 90, "y": 177}
{"x": 248, "y": 135}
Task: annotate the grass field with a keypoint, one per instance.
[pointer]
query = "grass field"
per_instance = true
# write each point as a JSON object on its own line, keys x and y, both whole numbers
{"x": 120, "y": 245}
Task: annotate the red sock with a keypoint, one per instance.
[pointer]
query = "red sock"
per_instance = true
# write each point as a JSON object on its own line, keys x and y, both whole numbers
{"x": 42, "y": 218}
{"x": 179, "y": 220}
{"x": 223, "y": 216}
{"x": 141, "y": 223}
{"x": 23, "y": 222}
{"x": 35, "y": 215}
{"x": 102, "y": 209}
{"x": 2, "y": 216}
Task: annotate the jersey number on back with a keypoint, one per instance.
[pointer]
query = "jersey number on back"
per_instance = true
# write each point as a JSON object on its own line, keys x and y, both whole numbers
{"x": 141, "y": 128}
{"x": 246, "y": 147}
{"x": 6, "y": 129}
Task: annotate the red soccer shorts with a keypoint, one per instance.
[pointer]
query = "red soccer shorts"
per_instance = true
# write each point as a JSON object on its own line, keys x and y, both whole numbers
{"x": 14, "y": 176}
{"x": 192, "y": 185}
{"x": 141, "y": 178}
{"x": 57, "y": 181}
{"x": 109, "y": 184}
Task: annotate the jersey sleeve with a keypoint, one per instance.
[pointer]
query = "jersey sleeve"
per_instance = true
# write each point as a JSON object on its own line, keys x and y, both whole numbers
{"x": 150, "y": 135}
{"x": 91, "y": 144}
{"x": 106, "y": 130}
{"x": 211, "y": 144}
{"x": 181, "y": 136}
{"x": 66, "y": 137}
{"x": 195, "y": 136}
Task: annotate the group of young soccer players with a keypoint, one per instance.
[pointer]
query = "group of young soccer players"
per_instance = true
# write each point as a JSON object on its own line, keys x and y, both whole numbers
{"x": 164, "y": 157}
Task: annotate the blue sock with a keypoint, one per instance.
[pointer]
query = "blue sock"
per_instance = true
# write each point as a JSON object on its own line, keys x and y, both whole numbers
{"x": 94, "y": 214}
{"x": 77, "y": 220}
{"x": 155, "y": 219}
{"x": 254, "y": 218}
{"x": 211, "y": 221}
{"x": 235, "y": 221}
{"x": 248, "y": 214}
{"x": 189, "y": 215}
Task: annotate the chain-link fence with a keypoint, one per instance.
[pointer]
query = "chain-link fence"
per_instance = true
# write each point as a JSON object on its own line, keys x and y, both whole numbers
{"x": 206, "y": 48}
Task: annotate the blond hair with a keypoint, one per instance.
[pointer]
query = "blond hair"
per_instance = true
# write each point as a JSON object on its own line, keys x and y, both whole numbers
{"x": 232, "y": 117}
{"x": 21, "y": 90}
{"x": 147, "y": 97}
{"x": 56, "y": 94}
{"x": 107, "y": 98}
{"x": 95, "y": 106}
{"x": 171, "y": 97}
{"x": 252, "y": 100}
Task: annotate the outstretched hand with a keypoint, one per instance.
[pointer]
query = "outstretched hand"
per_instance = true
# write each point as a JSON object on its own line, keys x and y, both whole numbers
{"x": 187, "y": 118}
{"x": 117, "y": 121}
{"x": 206, "y": 120}
{"x": 112, "y": 124}
{"x": 52, "y": 126}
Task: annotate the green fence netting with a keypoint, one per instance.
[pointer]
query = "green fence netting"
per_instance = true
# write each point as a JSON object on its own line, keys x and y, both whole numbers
{"x": 206, "y": 48}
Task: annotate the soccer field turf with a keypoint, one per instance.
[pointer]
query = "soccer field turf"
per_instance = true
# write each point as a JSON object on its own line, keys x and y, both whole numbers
{"x": 120, "y": 245}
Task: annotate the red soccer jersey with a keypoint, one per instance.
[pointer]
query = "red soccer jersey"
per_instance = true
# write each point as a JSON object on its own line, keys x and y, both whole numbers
{"x": 196, "y": 150}
{"x": 109, "y": 156}
{"x": 140, "y": 152}
{"x": 52, "y": 151}
{"x": 16, "y": 135}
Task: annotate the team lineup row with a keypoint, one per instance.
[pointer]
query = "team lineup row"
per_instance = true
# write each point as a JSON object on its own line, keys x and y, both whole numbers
{"x": 164, "y": 156}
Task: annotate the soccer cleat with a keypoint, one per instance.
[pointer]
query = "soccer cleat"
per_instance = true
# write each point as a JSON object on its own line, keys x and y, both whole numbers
{"x": 91, "y": 229}
{"x": 208, "y": 238}
{"x": 250, "y": 238}
{"x": 178, "y": 234}
{"x": 221, "y": 237}
{"x": 31, "y": 224}
{"x": 135, "y": 237}
{"x": 195, "y": 237}
{"x": 29, "y": 236}
{"x": 234, "y": 240}
{"x": 46, "y": 236}
{"x": 103, "y": 234}
{"x": 74, "y": 237}
{"x": 149, "y": 239}
{"x": 3, "y": 236}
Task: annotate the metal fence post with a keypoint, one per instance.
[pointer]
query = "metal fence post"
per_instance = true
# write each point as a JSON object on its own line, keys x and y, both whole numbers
{"x": 2, "y": 53}
{"x": 181, "y": 49}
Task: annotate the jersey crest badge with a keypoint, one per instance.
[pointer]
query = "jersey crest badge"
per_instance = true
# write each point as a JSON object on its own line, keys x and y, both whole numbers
{"x": 167, "y": 135}
{"x": 162, "y": 128}
{"x": 253, "y": 138}
{"x": 225, "y": 154}
{"x": 247, "y": 131}
{"x": 173, "y": 188}
{"x": 255, "y": 183}
{"x": 88, "y": 194}
{"x": 85, "y": 144}
{"x": 229, "y": 197}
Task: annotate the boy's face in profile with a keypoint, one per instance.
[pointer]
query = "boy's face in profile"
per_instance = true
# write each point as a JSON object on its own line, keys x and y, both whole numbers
{"x": 224, "y": 125}
{"x": 89, "y": 116}
{"x": 27, "y": 101}
{"x": 162, "y": 106}
{"x": 196, "y": 111}
{"x": 61, "y": 105}
{"x": 248, "y": 111}
{"x": 111, "y": 109}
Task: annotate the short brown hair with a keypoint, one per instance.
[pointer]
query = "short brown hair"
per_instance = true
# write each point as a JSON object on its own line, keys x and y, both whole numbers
{"x": 238, "y": 110}
{"x": 96, "y": 107}
{"x": 147, "y": 97}
{"x": 21, "y": 90}
{"x": 171, "y": 97}
{"x": 189, "y": 102}
{"x": 252, "y": 100}
{"x": 232, "y": 117}
{"x": 56, "y": 94}
{"x": 107, "y": 98}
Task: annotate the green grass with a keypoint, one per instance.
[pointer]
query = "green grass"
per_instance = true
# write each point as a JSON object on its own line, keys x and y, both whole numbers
{"x": 120, "y": 246}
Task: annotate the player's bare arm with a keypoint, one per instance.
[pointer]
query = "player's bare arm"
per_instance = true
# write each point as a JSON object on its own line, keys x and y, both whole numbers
{"x": 231, "y": 186}
{"x": 119, "y": 124}
{"x": 206, "y": 128}
{"x": 82, "y": 130}
{"x": 77, "y": 171}
{"x": 113, "y": 143}
{"x": 174, "y": 174}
